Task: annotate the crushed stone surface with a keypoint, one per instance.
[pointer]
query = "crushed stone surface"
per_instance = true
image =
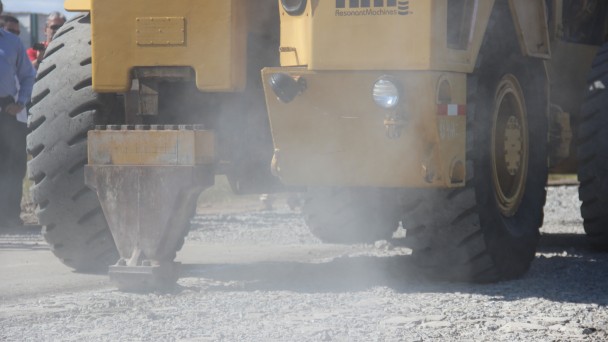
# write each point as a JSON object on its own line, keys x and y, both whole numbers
{"x": 363, "y": 293}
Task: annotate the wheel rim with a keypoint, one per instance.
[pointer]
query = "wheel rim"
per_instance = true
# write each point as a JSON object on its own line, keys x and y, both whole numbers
{"x": 510, "y": 146}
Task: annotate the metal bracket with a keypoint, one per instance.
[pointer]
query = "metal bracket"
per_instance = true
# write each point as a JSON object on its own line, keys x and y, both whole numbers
{"x": 144, "y": 278}
{"x": 394, "y": 124}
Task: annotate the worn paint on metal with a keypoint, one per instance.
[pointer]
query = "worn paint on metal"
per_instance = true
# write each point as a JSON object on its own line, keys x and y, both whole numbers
{"x": 321, "y": 140}
{"x": 148, "y": 179}
{"x": 530, "y": 19}
{"x": 148, "y": 209}
{"x": 151, "y": 147}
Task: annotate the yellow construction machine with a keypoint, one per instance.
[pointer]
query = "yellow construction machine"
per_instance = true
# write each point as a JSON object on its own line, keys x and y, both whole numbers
{"x": 144, "y": 102}
{"x": 444, "y": 115}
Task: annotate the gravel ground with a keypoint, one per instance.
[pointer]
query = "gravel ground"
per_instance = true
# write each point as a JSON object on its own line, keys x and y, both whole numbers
{"x": 358, "y": 293}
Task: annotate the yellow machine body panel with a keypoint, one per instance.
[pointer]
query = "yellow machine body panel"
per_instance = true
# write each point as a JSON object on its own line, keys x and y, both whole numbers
{"x": 321, "y": 141}
{"x": 332, "y": 35}
{"x": 208, "y": 36}
{"x": 333, "y": 134}
{"x": 530, "y": 19}
{"x": 77, "y": 5}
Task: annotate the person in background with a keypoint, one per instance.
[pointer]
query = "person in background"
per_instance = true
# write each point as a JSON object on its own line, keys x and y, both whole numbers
{"x": 53, "y": 22}
{"x": 16, "y": 82}
{"x": 10, "y": 24}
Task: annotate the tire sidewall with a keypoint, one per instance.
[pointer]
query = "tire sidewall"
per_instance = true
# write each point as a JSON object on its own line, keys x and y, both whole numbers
{"x": 514, "y": 237}
{"x": 64, "y": 108}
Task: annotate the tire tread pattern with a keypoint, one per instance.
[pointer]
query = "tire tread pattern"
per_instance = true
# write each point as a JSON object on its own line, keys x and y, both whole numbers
{"x": 592, "y": 151}
{"x": 459, "y": 235}
{"x": 61, "y": 115}
{"x": 348, "y": 215}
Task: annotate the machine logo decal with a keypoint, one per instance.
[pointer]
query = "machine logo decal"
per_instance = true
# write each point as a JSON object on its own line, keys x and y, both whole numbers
{"x": 347, "y": 8}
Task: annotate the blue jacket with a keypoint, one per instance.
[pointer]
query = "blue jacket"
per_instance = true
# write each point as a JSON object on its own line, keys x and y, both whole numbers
{"x": 17, "y": 74}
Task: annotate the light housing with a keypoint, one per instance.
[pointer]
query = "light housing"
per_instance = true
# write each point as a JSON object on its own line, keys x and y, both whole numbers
{"x": 294, "y": 7}
{"x": 386, "y": 92}
{"x": 285, "y": 87}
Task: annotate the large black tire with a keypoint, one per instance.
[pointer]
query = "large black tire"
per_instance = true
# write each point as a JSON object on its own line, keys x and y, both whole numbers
{"x": 593, "y": 152}
{"x": 351, "y": 215}
{"x": 488, "y": 230}
{"x": 64, "y": 109}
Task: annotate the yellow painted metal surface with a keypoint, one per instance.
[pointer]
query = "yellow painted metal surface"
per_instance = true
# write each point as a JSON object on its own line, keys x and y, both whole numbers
{"x": 326, "y": 37}
{"x": 152, "y": 31}
{"x": 77, "y": 5}
{"x": 295, "y": 37}
{"x": 151, "y": 147}
{"x": 207, "y": 35}
{"x": 530, "y": 19}
{"x": 333, "y": 134}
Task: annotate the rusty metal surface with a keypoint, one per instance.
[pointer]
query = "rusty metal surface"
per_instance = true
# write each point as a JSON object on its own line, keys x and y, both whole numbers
{"x": 144, "y": 278}
{"x": 148, "y": 208}
{"x": 151, "y": 145}
{"x": 148, "y": 179}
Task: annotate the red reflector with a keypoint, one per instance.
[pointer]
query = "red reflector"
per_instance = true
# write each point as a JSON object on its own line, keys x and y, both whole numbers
{"x": 451, "y": 109}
